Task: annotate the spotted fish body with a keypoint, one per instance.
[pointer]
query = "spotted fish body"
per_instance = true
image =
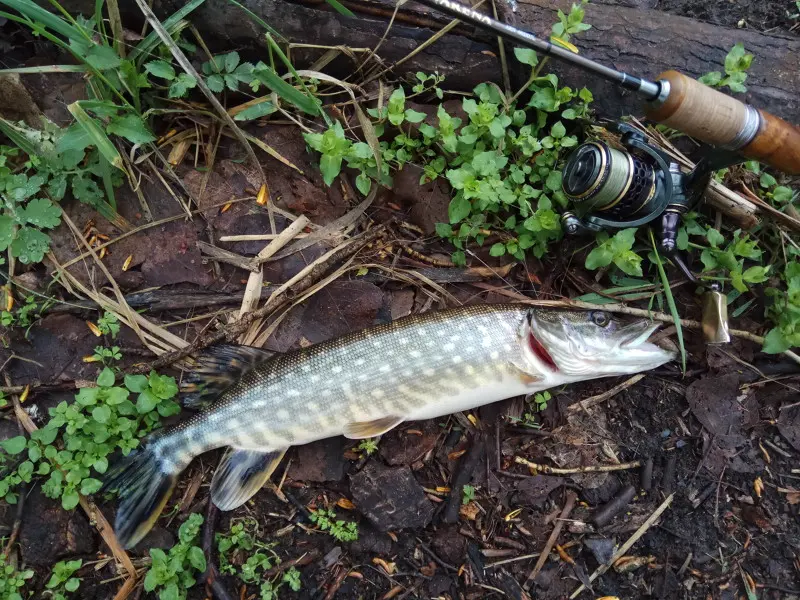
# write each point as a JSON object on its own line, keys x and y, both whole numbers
{"x": 362, "y": 385}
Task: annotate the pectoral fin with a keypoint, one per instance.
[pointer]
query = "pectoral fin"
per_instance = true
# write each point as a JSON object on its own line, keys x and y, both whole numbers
{"x": 367, "y": 429}
{"x": 240, "y": 474}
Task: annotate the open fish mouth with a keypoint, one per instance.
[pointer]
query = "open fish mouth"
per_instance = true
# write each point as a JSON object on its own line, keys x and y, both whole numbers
{"x": 636, "y": 337}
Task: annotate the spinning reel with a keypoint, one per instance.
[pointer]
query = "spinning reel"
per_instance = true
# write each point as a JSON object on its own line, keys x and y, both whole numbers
{"x": 611, "y": 188}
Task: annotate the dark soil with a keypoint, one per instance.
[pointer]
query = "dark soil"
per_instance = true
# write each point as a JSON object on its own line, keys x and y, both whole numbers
{"x": 761, "y": 15}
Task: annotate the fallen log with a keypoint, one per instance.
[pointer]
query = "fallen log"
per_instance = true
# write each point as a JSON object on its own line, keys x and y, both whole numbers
{"x": 635, "y": 39}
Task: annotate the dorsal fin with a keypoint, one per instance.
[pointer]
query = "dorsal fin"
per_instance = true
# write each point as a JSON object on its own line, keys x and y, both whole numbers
{"x": 216, "y": 369}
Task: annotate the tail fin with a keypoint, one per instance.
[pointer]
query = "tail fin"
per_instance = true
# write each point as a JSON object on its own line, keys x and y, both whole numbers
{"x": 144, "y": 483}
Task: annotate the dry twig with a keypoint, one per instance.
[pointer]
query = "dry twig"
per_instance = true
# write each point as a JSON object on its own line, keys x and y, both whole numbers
{"x": 628, "y": 544}
{"x": 568, "y": 506}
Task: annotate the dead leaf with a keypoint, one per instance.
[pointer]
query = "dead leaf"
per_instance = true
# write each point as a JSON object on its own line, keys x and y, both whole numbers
{"x": 469, "y": 511}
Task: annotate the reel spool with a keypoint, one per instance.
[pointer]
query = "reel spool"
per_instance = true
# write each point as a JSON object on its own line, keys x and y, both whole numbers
{"x": 614, "y": 189}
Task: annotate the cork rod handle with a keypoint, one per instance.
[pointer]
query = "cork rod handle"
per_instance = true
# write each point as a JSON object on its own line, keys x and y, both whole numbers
{"x": 715, "y": 118}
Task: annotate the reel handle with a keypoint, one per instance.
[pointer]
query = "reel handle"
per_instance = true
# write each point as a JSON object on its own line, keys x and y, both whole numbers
{"x": 720, "y": 120}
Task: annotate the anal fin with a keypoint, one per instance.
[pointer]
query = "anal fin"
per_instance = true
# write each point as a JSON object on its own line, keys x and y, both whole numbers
{"x": 216, "y": 369}
{"x": 240, "y": 474}
{"x": 366, "y": 429}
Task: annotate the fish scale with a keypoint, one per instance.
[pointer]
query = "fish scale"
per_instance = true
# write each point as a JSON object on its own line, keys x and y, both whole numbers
{"x": 363, "y": 384}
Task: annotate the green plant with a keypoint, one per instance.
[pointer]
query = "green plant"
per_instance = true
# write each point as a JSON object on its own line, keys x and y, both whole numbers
{"x": 108, "y": 324}
{"x": 785, "y": 309}
{"x": 342, "y": 531}
{"x": 24, "y": 315}
{"x": 737, "y": 62}
{"x": 541, "y": 399}
{"x": 62, "y": 583}
{"x": 468, "y": 494}
{"x": 617, "y": 249}
{"x": 795, "y": 16}
{"x": 105, "y": 355}
{"x": 502, "y": 161}
{"x": 368, "y": 446}
{"x": 778, "y": 194}
{"x": 235, "y": 559}
{"x": 11, "y": 580}
{"x": 179, "y": 83}
{"x": 79, "y": 437}
{"x": 226, "y": 71}
{"x": 172, "y": 575}
{"x": 25, "y": 212}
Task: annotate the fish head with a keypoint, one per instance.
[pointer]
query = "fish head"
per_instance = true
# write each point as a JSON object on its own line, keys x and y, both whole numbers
{"x": 588, "y": 344}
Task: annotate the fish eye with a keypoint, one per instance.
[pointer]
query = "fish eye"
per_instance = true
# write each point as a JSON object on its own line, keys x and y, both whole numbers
{"x": 600, "y": 318}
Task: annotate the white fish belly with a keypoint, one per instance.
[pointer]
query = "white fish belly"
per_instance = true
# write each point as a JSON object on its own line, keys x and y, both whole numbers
{"x": 507, "y": 387}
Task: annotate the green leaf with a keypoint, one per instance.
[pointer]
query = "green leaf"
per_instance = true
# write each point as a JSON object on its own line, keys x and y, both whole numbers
{"x": 181, "y": 85}
{"x": 558, "y": 130}
{"x": 414, "y": 116}
{"x": 553, "y": 181}
{"x": 711, "y": 79}
{"x": 767, "y": 180}
{"x": 70, "y": 500}
{"x": 101, "y": 413}
{"x": 97, "y": 135}
{"x": 160, "y": 68}
{"x": 599, "y": 257}
{"x": 231, "y": 61}
{"x": 363, "y": 183}
{"x": 136, "y": 383}
{"x": 775, "y": 342}
{"x": 132, "y": 128}
{"x": 782, "y": 194}
{"x": 255, "y": 111}
{"x": 737, "y": 59}
{"x": 6, "y": 231}
{"x": 682, "y": 239}
{"x": 629, "y": 262}
{"x": 714, "y": 238}
{"x": 459, "y": 208}
{"x": 197, "y": 558}
{"x": 330, "y": 165}
{"x": 146, "y": 402}
{"x": 755, "y": 274}
{"x": 215, "y": 83}
{"x": 30, "y": 245}
{"x": 544, "y": 99}
{"x": 73, "y": 583}
{"x": 106, "y": 378}
{"x": 90, "y": 486}
{"x": 273, "y": 81}
{"x": 526, "y": 56}
{"x": 103, "y": 58}
{"x": 498, "y": 249}
{"x": 444, "y": 230}
{"x": 75, "y": 137}
{"x": 14, "y": 445}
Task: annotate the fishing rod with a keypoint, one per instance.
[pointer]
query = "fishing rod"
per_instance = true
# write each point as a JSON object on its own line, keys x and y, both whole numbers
{"x": 674, "y": 100}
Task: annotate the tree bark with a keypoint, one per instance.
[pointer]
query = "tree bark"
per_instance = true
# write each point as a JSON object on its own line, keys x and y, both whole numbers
{"x": 625, "y": 34}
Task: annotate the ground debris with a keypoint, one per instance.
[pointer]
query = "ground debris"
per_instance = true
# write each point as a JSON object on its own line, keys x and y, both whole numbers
{"x": 390, "y": 497}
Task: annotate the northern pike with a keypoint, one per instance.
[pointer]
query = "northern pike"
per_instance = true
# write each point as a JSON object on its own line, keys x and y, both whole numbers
{"x": 363, "y": 384}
